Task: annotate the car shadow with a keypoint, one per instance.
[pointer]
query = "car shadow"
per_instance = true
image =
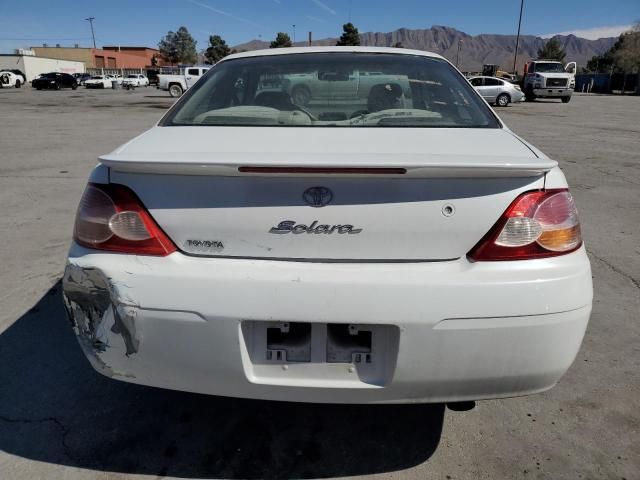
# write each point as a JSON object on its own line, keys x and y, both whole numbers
{"x": 54, "y": 408}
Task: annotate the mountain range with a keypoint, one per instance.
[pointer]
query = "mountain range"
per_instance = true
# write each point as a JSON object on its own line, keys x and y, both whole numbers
{"x": 475, "y": 50}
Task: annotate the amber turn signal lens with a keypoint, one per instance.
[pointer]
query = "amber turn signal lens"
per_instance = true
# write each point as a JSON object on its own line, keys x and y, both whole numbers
{"x": 561, "y": 239}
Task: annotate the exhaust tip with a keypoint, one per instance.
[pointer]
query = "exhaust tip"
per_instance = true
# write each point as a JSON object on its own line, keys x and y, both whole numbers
{"x": 461, "y": 406}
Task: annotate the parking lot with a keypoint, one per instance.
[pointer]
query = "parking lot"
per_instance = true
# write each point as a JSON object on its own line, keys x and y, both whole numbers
{"x": 60, "y": 419}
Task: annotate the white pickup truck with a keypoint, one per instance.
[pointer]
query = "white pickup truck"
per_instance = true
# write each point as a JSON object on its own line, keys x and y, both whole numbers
{"x": 549, "y": 79}
{"x": 178, "y": 83}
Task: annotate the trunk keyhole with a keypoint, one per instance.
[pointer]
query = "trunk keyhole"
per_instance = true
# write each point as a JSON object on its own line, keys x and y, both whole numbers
{"x": 448, "y": 210}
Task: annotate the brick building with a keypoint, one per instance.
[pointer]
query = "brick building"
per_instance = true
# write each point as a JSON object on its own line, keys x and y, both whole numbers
{"x": 107, "y": 57}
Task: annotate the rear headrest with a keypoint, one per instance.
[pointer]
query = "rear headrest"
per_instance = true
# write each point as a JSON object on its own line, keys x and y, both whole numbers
{"x": 384, "y": 96}
{"x": 277, "y": 100}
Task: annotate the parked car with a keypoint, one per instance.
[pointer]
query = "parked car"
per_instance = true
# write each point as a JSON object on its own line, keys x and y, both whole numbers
{"x": 9, "y": 79}
{"x": 99, "y": 81}
{"x": 497, "y": 91}
{"x": 135, "y": 80}
{"x": 54, "y": 80}
{"x": 418, "y": 251}
{"x": 177, "y": 84}
{"x": 81, "y": 78}
{"x": 115, "y": 78}
{"x": 18, "y": 72}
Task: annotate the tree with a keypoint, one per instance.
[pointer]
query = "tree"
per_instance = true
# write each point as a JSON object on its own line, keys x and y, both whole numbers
{"x": 178, "y": 47}
{"x": 614, "y": 57}
{"x": 282, "y": 40}
{"x": 552, "y": 51}
{"x": 627, "y": 57}
{"x": 167, "y": 47}
{"x": 398, "y": 45}
{"x": 154, "y": 61}
{"x": 217, "y": 50}
{"x": 603, "y": 63}
{"x": 350, "y": 35}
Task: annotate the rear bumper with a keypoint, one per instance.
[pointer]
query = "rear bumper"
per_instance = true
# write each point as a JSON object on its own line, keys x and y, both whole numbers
{"x": 518, "y": 96}
{"x": 464, "y": 331}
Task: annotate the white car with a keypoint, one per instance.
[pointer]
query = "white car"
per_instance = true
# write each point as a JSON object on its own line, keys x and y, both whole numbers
{"x": 135, "y": 80}
{"x": 497, "y": 91}
{"x": 389, "y": 249}
{"x": 99, "y": 81}
{"x": 115, "y": 78}
{"x": 10, "y": 79}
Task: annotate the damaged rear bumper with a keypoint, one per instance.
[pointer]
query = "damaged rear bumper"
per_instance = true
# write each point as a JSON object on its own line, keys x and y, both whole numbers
{"x": 345, "y": 333}
{"x": 100, "y": 312}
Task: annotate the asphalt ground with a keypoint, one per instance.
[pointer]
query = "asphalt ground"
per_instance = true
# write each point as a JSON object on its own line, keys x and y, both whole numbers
{"x": 60, "y": 419}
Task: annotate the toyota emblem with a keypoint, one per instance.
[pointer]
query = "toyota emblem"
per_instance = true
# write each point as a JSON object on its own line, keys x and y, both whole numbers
{"x": 317, "y": 196}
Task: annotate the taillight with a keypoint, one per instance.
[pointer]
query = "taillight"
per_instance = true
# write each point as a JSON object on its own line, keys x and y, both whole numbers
{"x": 537, "y": 224}
{"x": 111, "y": 217}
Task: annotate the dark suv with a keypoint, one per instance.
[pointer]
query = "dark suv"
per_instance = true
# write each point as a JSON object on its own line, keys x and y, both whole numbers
{"x": 55, "y": 80}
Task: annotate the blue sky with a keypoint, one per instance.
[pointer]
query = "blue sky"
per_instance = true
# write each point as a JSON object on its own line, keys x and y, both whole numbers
{"x": 33, "y": 22}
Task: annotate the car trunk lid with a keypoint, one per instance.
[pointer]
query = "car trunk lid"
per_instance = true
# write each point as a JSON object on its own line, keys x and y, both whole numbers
{"x": 327, "y": 194}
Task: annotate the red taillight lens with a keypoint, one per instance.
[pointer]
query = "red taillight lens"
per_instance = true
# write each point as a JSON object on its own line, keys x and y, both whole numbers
{"x": 111, "y": 217}
{"x": 537, "y": 224}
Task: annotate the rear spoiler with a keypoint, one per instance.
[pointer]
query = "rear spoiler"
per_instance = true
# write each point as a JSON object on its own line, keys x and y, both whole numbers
{"x": 269, "y": 164}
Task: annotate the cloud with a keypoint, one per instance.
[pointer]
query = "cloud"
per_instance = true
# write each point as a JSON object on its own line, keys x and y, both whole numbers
{"x": 595, "y": 32}
{"x": 222, "y": 12}
{"x": 324, "y": 6}
{"x": 315, "y": 19}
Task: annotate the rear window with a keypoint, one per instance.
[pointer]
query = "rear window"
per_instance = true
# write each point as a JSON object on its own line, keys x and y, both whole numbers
{"x": 335, "y": 90}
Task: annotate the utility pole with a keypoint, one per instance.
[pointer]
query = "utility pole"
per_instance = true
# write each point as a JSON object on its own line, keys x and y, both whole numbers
{"x": 93, "y": 35}
{"x": 515, "y": 55}
{"x": 294, "y": 34}
{"x": 458, "y": 54}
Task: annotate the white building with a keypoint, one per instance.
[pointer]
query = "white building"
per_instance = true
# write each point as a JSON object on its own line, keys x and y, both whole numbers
{"x": 33, "y": 66}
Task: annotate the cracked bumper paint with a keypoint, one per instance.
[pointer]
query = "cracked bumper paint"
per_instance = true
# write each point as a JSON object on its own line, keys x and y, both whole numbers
{"x": 102, "y": 315}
